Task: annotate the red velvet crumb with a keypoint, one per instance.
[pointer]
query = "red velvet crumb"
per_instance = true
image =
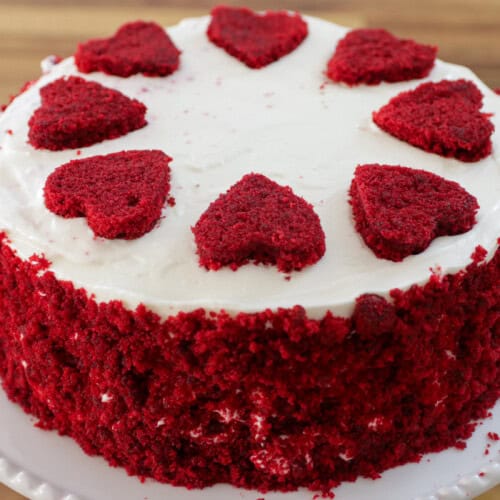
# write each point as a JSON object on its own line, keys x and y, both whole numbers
{"x": 442, "y": 118}
{"x": 121, "y": 194}
{"x": 493, "y": 436}
{"x": 374, "y": 55}
{"x": 259, "y": 220}
{"x": 77, "y": 113}
{"x": 138, "y": 47}
{"x": 373, "y": 315}
{"x": 399, "y": 210}
{"x": 256, "y": 39}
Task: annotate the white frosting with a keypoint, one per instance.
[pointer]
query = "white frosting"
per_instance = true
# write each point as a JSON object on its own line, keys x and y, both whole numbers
{"x": 219, "y": 120}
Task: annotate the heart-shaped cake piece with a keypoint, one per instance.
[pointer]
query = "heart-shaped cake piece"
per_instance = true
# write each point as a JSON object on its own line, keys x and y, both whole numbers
{"x": 120, "y": 194}
{"x": 442, "y": 118}
{"x": 371, "y": 56}
{"x": 259, "y": 220}
{"x": 399, "y": 210}
{"x": 138, "y": 47}
{"x": 76, "y": 113}
{"x": 256, "y": 39}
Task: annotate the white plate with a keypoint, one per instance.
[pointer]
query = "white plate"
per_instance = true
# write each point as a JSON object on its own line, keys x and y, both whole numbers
{"x": 45, "y": 466}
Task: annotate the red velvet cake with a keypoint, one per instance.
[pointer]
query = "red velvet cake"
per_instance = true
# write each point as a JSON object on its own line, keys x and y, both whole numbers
{"x": 320, "y": 303}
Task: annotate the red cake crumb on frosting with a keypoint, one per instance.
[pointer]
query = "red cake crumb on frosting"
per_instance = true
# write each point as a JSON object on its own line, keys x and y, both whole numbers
{"x": 442, "y": 118}
{"x": 271, "y": 400}
{"x": 399, "y": 210}
{"x": 76, "y": 113}
{"x": 256, "y": 39}
{"x": 371, "y": 56}
{"x": 373, "y": 315}
{"x": 259, "y": 220}
{"x": 121, "y": 194}
{"x": 137, "y": 47}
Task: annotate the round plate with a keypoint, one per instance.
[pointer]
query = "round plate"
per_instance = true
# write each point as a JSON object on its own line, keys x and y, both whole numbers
{"x": 45, "y": 466}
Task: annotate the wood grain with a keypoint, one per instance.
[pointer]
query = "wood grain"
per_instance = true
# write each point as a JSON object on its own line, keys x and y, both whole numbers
{"x": 467, "y": 32}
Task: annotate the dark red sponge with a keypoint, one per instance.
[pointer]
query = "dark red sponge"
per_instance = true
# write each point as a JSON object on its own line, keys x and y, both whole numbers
{"x": 138, "y": 47}
{"x": 371, "y": 56}
{"x": 77, "y": 113}
{"x": 259, "y": 220}
{"x": 121, "y": 194}
{"x": 442, "y": 118}
{"x": 256, "y": 39}
{"x": 399, "y": 210}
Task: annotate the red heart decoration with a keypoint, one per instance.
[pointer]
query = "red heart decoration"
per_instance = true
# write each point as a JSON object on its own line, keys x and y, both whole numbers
{"x": 371, "y": 56}
{"x": 256, "y": 39}
{"x": 77, "y": 113}
{"x": 442, "y": 118}
{"x": 121, "y": 194}
{"x": 399, "y": 210}
{"x": 138, "y": 47}
{"x": 259, "y": 220}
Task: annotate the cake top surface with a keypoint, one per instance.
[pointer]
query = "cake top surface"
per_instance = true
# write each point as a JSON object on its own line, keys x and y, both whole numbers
{"x": 220, "y": 120}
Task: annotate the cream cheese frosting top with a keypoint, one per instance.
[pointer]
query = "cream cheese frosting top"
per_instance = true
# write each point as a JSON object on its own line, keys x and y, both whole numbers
{"x": 220, "y": 120}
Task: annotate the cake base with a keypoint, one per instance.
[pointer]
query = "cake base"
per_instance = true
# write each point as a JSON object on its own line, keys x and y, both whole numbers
{"x": 44, "y": 465}
{"x": 269, "y": 401}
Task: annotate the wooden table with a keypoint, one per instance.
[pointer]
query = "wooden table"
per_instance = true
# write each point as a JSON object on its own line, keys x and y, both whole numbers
{"x": 466, "y": 31}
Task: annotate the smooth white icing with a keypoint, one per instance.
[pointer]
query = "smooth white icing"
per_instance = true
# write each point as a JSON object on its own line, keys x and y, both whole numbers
{"x": 219, "y": 120}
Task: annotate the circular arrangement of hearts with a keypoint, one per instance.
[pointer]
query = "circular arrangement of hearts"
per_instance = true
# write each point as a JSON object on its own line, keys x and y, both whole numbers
{"x": 397, "y": 210}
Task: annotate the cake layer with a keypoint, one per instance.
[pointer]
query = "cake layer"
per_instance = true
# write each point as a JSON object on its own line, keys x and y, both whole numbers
{"x": 220, "y": 120}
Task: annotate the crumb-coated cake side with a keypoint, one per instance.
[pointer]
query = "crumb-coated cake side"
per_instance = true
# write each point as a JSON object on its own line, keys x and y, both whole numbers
{"x": 271, "y": 400}
{"x": 246, "y": 273}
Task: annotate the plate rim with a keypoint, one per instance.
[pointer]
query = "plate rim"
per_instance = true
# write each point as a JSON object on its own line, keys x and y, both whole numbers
{"x": 25, "y": 482}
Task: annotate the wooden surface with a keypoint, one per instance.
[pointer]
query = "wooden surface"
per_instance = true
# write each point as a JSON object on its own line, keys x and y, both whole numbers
{"x": 466, "y": 31}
